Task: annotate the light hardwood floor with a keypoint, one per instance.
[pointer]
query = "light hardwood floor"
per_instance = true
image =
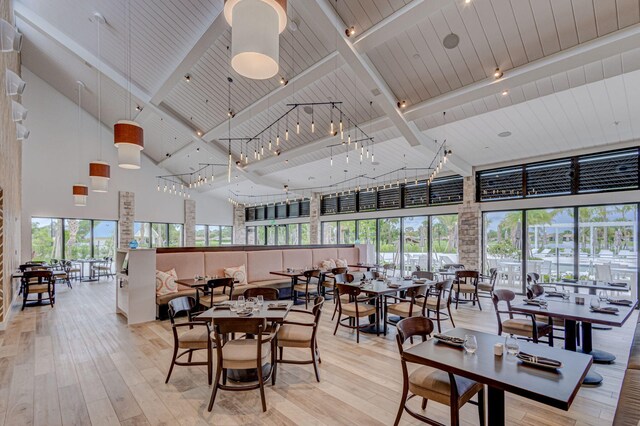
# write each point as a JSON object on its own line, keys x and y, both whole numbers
{"x": 80, "y": 364}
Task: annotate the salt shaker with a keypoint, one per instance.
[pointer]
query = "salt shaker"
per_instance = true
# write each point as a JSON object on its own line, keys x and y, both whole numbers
{"x": 498, "y": 349}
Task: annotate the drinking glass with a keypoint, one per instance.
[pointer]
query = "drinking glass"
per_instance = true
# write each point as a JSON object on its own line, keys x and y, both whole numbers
{"x": 566, "y": 294}
{"x": 414, "y": 277}
{"x": 470, "y": 343}
{"x": 594, "y": 303}
{"x": 512, "y": 346}
{"x": 602, "y": 295}
{"x": 233, "y": 306}
{"x": 241, "y": 302}
{"x": 260, "y": 300}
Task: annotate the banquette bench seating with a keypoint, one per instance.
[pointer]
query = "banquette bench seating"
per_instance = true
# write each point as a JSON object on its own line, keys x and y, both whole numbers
{"x": 258, "y": 265}
{"x": 628, "y": 410}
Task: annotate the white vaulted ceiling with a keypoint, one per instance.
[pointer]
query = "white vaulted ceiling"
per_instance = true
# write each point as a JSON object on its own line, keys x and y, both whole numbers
{"x": 572, "y": 73}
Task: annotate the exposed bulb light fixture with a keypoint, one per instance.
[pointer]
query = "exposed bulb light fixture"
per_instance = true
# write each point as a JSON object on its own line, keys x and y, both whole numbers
{"x": 187, "y": 78}
{"x": 497, "y": 73}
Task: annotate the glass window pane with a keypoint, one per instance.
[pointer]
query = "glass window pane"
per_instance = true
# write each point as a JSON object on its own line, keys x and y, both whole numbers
{"x": 271, "y": 235}
{"x": 550, "y": 243}
{"x": 348, "y": 232}
{"x": 175, "y": 234}
{"x": 329, "y": 232}
{"x": 608, "y": 243}
{"x": 159, "y": 234}
{"x": 46, "y": 239}
{"x": 444, "y": 240}
{"x": 282, "y": 235}
{"x": 367, "y": 235}
{"x": 261, "y": 235}
{"x": 214, "y": 235}
{"x": 201, "y": 235}
{"x": 389, "y": 230}
{"x": 416, "y": 243}
{"x": 293, "y": 234}
{"x": 503, "y": 248}
{"x": 142, "y": 234}
{"x": 77, "y": 237}
{"x": 305, "y": 238}
{"x": 251, "y": 235}
{"x": 226, "y": 234}
{"x": 104, "y": 238}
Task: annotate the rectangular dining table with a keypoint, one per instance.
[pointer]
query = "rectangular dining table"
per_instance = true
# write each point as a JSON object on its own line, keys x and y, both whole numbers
{"x": 572, "y": 314}
{"x": 506, "y": 373}
{"x": 367, "y": 266}
{"x": 293, "y": 274}
{"x": 591, "y": 285}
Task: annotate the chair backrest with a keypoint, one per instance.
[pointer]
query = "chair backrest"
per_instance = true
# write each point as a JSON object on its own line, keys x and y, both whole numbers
{"x": 181, "y": 304}
{"x": 413, "y": 326}
{"x": 221, "y": 282}
{"x": 603, "y": 272}
{"x": 255, "y": 326}
{"x": 40, "y": 274}
{"x": 318, "y": 303}
{"x": 453, "y": 265}
{"x": 428, "y": 275}
{"x": 467, "y": 277}
{"x": 413, "y": 292}
{"x": 369, "y": 275}
{"x": 266, "y": 293}
{"x": 336, "y": 271}
{"x": 347, "y": 289}
{"x": 343, "y": 278}
{"x": 312, "y": 273}
{"x": 533, "y": 277}
{"x": 502, "y": 295}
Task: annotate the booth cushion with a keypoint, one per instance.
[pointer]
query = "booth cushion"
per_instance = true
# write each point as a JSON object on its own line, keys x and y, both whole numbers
{"x": 187, "y": 265}
{"x": 215, "y": 262}
{"x": 296, "y": 258}
{"x": 351, "y": 255}
{"x": 260, "y": 263}
{"x": 318, "y": 255}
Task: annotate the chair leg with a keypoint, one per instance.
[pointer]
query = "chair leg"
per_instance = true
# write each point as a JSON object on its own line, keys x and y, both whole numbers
{"x": 457, "y": 299}
{"x": 209, "y": 365}
{"x": 173, "y": 361}
{"x": 455, "y": 415}
{"x": 261, "y": 382}
{"x": 438, "y": 320}
{"x": 190, "y": 355}
{"x": 334, "y": 331}
{"x": 385, "y": 318}
{"x": 481, "y": 406}
{"x": 403, "y": 401}
{"x": 224, "y": 376}
{"x": 424, "y": 403}
{"x": 357, "y": 320}
{"x": 451, "y": 316}
{"x": 315, "y": 361}
{"x": 478, "y": 299}
{"x": 335, "y": 309}
{"x": 215, "y": 387}
{"x": 274, "y": 365}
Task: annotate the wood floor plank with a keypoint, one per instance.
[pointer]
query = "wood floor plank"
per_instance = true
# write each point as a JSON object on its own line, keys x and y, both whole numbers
{"x": 46, "y": 404}
{"x": 72, "y": 406}
{"x": 101, "y": 413}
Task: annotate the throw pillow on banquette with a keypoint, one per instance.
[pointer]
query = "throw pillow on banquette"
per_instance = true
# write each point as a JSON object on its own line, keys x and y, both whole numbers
{"x": 166, "y": 282}
{"x": 238, "y": 273}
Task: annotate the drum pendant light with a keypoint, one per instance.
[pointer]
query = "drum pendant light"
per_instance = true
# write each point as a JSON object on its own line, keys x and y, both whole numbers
{"x": 255, "y": 29}
{"x": 99, "y": 173}
{"x": 80, "y": 193}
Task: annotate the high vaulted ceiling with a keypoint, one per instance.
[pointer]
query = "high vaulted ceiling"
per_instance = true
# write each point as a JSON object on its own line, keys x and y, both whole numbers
{"x": 571, "y": 80}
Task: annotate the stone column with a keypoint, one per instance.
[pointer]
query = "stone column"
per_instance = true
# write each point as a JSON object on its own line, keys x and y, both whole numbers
{"x": 126, "y": 217}
{"x": 470, "y": 227}
{"x": 189, "y": 223}
{"x": 314, "y": 218}
{"x": 239, "y": 228}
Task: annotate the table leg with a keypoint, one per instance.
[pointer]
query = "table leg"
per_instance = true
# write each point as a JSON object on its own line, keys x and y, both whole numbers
{"x": 495, "y": 406}
{"x": 374, "y": 326}
{"x": 599, "y": 356}
{"x": 570, "y": 338}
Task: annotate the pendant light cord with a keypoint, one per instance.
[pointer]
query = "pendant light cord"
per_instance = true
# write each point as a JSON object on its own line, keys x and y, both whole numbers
{"x": 99, "y": 96}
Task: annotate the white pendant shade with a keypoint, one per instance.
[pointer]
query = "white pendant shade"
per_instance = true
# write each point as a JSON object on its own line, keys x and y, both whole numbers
{"x": 15, "y": 85}
{"x": 19, "y": 112}
{"x": 99, "y": 173}
{"x": 10, "y": 38}
{"x": 80, "y": 193}
{"x": 129, "y": 139}
{"x": 22, "y": 132}
{"x": 255, "y": 29}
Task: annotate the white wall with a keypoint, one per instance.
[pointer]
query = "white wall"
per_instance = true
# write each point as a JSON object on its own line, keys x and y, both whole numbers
{"x": 53, "y": 159}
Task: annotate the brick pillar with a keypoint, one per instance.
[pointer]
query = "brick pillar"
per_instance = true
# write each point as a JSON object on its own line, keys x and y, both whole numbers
{"x": 470, "y": 227}
{"x": 314, "y": 218}
{"x": 126, "y": 217}
{"x": 239, "y": 228}
{"x": 189, "y": 223}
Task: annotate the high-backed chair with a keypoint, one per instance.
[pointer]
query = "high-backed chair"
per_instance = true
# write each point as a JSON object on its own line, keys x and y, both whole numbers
{"x": 526, "y": 326}
{"x": 438, "y": 298}
{"x": 302, "y": 334}
{"x": 404, "y": 307}
{"x": 243, "y": 353}
{"x": 39, "y": 282}
{"x": 355, "y": 309}
{"x": 266, "y": 293}
{"x": 217, "y": 290}
{"x": 467, "y": 283}
{"x": 194, "y": 338}
{"x": 431, "y": 384}
{"x": 329, "y": 281}
{"x": 488, "y": 283}
{"x": 311, "y": 285}
{"x": 341, "y": 279}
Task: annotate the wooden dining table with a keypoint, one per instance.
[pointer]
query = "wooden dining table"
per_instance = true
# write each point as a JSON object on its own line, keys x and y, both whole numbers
{"x": 506, "y": 373}
{"x": 367, "y": 266}
{"x": 591, "y": 285}
{"x": 572, "y": 314}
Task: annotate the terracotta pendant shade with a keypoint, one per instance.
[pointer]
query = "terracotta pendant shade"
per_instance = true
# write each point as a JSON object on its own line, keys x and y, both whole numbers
{"x": 99, "y": 173}
{"x": 255, "y": 29}
{"x": 80, "y": 193}
{"x": 129, "y": 139}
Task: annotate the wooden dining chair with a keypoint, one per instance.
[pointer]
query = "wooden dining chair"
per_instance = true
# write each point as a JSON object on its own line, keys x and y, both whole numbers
{"x": 302, "y": 334}
{"x": 38, "y": 282}
{"x": 311, "y": 285}
{"x": 430, "y": 383}
{"x": 355, "y": 309}
{"x": 537, "y": 290}
{"x": 403, "y": 307}
{"x": 194, "y": 337}
{"x": 329, "y": 281}
{"x": 437, "y": 300}
{"x": 253, "y": 350}
{"x": 467, "y": 283}
{"x": 342, "y": 278}
{"x": 217, "y": 290}
{"x": 526, "y": 326}
{"x": 488, "y": 283}
{"x": 456, "y": 266}
{"x": 266, "y": 293}
{"x": 424, "y": 275}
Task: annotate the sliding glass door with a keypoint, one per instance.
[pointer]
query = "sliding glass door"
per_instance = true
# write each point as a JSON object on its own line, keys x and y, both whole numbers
{"x": 503, "y": 247}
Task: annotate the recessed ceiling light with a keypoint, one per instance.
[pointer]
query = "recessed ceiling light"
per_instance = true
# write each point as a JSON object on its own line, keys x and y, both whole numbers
{"x": 308, "y": 109}
{"x": 504, "y": 134}
{"x": 451, "y": 41}
{"x": 497, "y": 73}
{"x": 350, "y": 31}
{"x": 187, "y": 77}
{"x": 505, "y": 92}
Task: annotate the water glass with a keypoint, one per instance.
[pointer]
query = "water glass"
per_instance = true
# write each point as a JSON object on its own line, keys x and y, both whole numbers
{"x": 241, "y": 302}
{"x": 233, "y": 306}
{"x": 566, "y": 294}
{"x": 512, "y": 346}
{"x": 470, "y": 343}
{"x": 594, "y": 303}
{"x": 414, "y": 277}
{"x": 260, "y": 300}
{"x": 602, "y": 295}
